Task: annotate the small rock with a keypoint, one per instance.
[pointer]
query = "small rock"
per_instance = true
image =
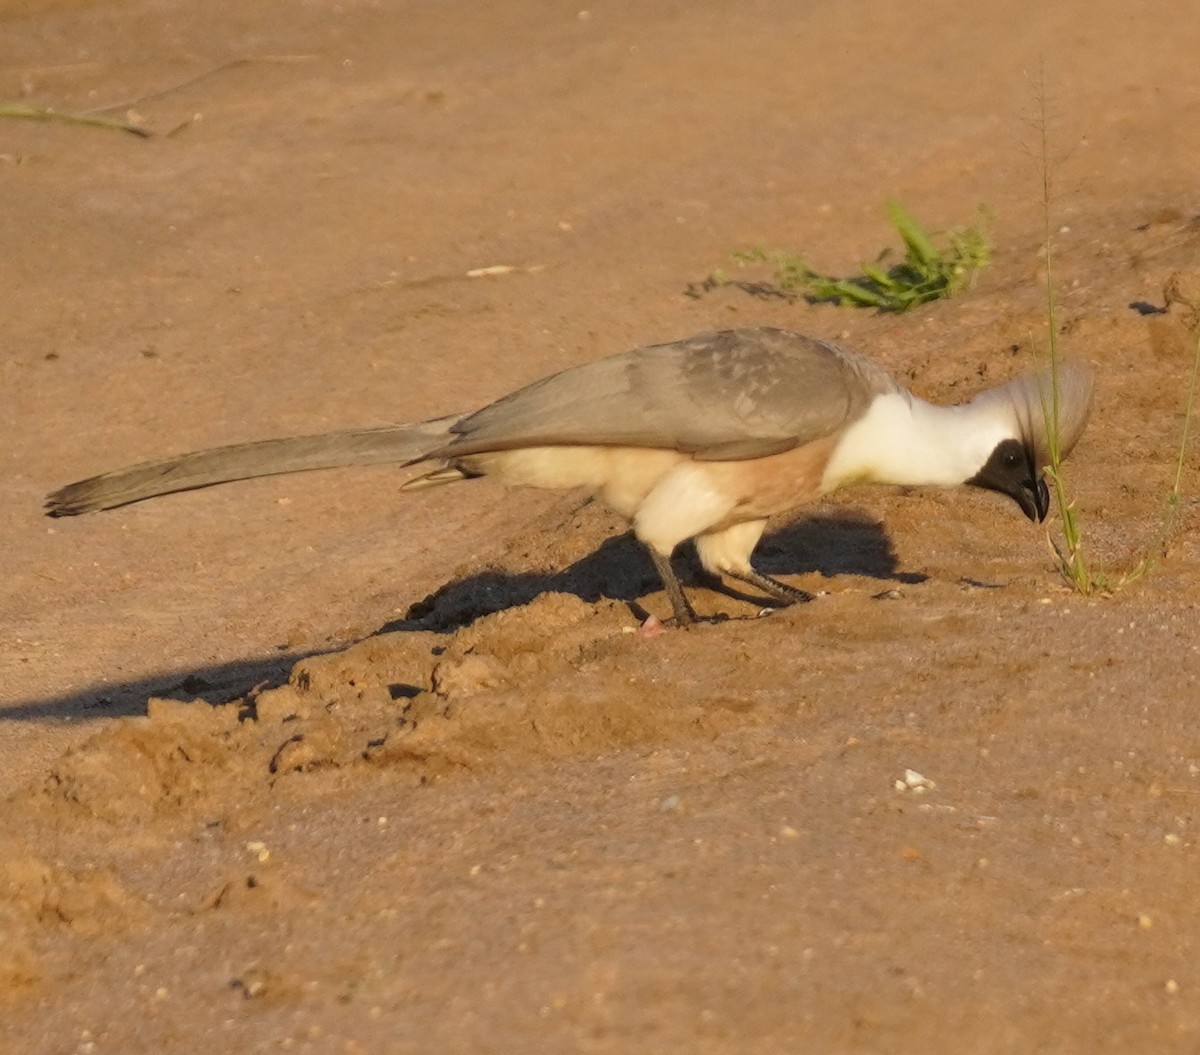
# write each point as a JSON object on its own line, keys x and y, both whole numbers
{"x": 914, "y": 782}
{"x": 252, "y": 984}
{"x": 259, "y": 849}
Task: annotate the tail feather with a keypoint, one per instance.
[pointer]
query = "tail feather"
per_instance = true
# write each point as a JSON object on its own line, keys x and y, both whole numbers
{"x": 402, "y": 444}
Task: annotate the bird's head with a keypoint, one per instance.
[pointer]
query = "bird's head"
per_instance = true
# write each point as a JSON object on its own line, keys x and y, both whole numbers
{"x": 1014, "y": 465}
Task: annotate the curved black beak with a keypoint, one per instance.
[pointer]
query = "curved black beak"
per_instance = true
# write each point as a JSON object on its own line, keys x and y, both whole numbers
{"x": 1033, "y": 496}
{"x": 1012, "y": 470}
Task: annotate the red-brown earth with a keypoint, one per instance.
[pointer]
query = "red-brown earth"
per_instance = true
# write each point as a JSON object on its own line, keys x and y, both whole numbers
{"x": 436, "y": 795}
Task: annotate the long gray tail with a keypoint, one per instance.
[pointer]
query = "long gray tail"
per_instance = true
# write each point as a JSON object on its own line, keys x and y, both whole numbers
{"x": 242, "y": 461}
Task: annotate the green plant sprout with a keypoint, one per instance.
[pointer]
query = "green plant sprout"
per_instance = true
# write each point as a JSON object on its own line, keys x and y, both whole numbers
{"x": 1072, "y": 562}
{"x": 23, "y": 112}
{"x": 927, "y": 272}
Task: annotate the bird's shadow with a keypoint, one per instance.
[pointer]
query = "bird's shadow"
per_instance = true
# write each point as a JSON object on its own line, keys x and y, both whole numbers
{"x": 620, "y": 569}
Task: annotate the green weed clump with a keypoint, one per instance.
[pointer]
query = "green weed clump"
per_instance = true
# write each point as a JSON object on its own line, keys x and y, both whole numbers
{"x": 928, "y": 271}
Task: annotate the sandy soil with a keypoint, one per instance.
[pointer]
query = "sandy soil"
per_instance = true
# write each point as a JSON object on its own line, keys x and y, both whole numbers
{"x": 406, "y": 780}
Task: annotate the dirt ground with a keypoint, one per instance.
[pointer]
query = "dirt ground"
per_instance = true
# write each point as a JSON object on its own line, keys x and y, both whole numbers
{"x": 303, "y": 764}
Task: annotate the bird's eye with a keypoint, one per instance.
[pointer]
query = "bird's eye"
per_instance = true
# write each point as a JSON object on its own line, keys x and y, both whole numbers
{"x": 1012, "y": 460}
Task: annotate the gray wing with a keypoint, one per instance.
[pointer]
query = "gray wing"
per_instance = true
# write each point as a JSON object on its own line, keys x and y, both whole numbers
{"x": 731, "y": 395}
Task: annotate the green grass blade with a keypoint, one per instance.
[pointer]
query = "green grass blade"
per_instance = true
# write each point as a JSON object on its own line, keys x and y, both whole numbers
{"x": 23, "y": 112}
{"x": 920, "y": 248}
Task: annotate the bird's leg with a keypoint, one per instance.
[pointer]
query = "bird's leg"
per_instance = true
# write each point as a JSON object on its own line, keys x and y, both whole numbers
{"x": 781, "y": 591}
{"x": 685, "y": 614}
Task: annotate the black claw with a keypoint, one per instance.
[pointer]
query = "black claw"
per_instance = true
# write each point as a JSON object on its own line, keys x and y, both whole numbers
{"x": 697, "y": 620}
{"x": 779, "y": 591}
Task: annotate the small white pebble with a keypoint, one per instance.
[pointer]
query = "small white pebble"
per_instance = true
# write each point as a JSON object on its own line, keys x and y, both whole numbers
{"x": 1171, "y": 839}
{"x": 1171, "y": 986}
{"x": 914, "y": 781}
{"x": 788, "y": 832}
{"x": 1145, "y": 920}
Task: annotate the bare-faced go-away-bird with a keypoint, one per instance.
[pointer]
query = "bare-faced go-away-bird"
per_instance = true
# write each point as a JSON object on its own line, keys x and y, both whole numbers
{"x": 700, "y": 439}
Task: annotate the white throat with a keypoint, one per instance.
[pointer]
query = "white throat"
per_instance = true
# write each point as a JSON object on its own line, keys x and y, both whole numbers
{"x": 904, "y": 440}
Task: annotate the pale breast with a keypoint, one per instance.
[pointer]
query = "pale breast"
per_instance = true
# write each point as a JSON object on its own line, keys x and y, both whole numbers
{"x": 764, "y": 487}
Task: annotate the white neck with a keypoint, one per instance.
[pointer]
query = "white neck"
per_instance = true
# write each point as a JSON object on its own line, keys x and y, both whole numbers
{"x": 904, "y": 440}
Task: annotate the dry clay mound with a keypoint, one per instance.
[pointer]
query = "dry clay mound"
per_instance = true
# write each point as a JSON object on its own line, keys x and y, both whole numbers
{"x": 558, "y": 676}
{"x": 180, "y": 837}
{"x": 555, "y": 678}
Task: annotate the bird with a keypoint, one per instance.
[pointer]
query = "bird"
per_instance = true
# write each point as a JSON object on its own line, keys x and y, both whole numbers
{"x": 699, "y": 439}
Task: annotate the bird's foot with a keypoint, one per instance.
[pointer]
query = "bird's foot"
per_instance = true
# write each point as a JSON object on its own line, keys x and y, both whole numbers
{"x": 778, "y": 591}
{"x": 652, "y": 626}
